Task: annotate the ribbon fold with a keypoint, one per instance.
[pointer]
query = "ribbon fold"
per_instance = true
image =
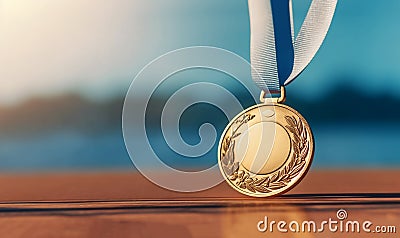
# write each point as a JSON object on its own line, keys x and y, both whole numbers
{"x": 276, "y": 55}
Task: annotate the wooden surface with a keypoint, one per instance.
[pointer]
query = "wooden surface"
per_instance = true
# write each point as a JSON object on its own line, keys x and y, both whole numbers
{"x": 127, "y": 205}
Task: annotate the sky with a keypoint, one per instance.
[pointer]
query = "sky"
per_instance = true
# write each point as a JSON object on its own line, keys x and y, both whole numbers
{"x": 96, "y": 47}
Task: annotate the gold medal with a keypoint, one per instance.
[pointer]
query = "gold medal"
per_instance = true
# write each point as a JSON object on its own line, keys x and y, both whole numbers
{"x": 266, "y": 150}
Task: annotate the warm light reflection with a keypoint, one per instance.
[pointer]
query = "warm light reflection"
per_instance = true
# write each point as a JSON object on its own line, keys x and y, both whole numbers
{"x": 51, "y": 47}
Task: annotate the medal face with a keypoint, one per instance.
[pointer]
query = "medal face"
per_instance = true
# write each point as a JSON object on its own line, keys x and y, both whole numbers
{"x": 266, "y": 150}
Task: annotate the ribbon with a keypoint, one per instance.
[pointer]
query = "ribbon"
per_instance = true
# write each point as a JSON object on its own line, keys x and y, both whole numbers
{"x": 276, "y": 56}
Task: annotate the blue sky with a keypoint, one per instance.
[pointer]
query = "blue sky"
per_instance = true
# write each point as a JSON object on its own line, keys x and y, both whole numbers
{"x": 96, "y": 47}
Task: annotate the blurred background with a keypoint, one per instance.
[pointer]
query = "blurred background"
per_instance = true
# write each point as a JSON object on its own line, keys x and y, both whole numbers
{"x": 65, "y": 67}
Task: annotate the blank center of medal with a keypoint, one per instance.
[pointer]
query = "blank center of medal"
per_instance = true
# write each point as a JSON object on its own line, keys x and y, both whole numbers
{"x": 263, "y": 148}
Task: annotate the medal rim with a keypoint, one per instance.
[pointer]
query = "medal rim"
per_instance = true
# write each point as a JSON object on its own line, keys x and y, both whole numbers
{"x": 302, "y": 174}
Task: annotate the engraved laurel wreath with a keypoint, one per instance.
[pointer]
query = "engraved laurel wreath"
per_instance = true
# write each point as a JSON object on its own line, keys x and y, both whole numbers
{"x": 280, "y": 178}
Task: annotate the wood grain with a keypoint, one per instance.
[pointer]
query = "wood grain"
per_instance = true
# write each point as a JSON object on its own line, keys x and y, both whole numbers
{"x": 127, "y": 205}
{"x": 133, "y": 186}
